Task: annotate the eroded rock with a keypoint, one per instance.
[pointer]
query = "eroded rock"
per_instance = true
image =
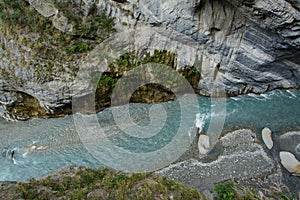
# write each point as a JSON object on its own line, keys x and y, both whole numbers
{"x": 289, "y": 142}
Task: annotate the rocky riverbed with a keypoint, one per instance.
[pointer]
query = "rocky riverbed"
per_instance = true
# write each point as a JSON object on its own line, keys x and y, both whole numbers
{"x": 244, "y": 159}
{"x": 239, "y": 157}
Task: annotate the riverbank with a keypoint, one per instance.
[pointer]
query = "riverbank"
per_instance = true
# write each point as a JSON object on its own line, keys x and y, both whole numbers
{"x": 85, "y": 183}
{"x": 61, "y": 141}
{"x": 242, "y": 157}
{"x": 240, "y": 166}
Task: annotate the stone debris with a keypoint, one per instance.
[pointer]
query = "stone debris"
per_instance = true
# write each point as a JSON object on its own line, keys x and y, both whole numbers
{"x": 267, "y": 137}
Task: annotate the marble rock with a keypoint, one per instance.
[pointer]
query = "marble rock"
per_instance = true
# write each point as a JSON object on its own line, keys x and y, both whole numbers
{"x": 203, "y": 144}
{"x": 289, "y": 162}
{"x": 267, "y": 137}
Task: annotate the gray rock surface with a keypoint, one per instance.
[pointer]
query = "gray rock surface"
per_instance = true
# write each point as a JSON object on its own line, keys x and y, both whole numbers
{"x": 289, "y": 142}
{"x": 237, "y": 46}
{"x": 236, "y": 52}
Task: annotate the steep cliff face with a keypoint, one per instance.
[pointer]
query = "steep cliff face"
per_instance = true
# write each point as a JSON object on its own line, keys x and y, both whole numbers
{"x": 236, "y": 46}
{"x": 242, "y": 46}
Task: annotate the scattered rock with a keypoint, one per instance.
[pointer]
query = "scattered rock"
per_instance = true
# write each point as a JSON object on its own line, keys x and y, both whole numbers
{"x": 289, "y": 161}
{"x": 267, "y": 137}
{"x": 203, "y": 144}
{"x": 238, "y": 137}
{"x": 242, "y": 159}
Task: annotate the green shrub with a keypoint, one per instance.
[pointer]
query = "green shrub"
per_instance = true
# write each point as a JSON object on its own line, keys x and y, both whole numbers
{"x": 225, "y": 191}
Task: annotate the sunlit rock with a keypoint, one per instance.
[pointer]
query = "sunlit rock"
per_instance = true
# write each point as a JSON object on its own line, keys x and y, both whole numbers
{"x": 267, "y": 137}
{"x": 289, "y": 161}
{"x": 203, "y": 144}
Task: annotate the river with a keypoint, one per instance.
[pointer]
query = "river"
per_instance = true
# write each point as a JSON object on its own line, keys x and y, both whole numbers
{"x": 148, "y": 137}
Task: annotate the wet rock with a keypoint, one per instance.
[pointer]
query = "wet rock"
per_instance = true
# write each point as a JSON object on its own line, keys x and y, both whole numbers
{"x": 238, "y": 138}
{"x": 289, "y": 161}
{"x": 25, "y": 107}
{"x": 267, "y": 137}
{"x": 288, "y": 144}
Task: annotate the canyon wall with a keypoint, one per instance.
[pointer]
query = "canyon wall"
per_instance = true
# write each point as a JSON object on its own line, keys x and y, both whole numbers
{"x": 236, "y": 46}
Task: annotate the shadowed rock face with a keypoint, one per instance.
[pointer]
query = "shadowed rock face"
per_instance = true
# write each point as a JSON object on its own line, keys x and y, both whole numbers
{"x": 237, "y": 46}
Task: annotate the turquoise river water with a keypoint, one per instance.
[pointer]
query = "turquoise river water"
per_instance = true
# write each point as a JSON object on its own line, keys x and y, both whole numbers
{"x": 42, "y": 146}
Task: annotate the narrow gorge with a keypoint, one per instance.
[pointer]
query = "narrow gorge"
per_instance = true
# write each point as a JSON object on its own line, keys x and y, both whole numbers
{"x": 198, "y": 91}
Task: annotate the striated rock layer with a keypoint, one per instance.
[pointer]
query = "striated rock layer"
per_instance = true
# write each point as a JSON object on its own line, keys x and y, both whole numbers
{"x": 237, "y": 47}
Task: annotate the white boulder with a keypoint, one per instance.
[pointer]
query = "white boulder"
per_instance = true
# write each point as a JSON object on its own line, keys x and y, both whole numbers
{"x": 289, "y": 161}
{"x": 203, "y": 144}
{"x": 267, "y": 137}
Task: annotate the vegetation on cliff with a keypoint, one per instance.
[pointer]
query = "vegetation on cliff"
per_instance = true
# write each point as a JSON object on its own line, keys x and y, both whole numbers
{"x": 86, "y": 183}
{"x": 54, "y": 50}
{"x": 105, "y": 184}
{"x": 150, "y": 92}
{"x": 47, "y": 53}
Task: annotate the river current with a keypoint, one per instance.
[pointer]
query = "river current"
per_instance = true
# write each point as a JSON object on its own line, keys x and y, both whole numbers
{"x": 42, "y": 146}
